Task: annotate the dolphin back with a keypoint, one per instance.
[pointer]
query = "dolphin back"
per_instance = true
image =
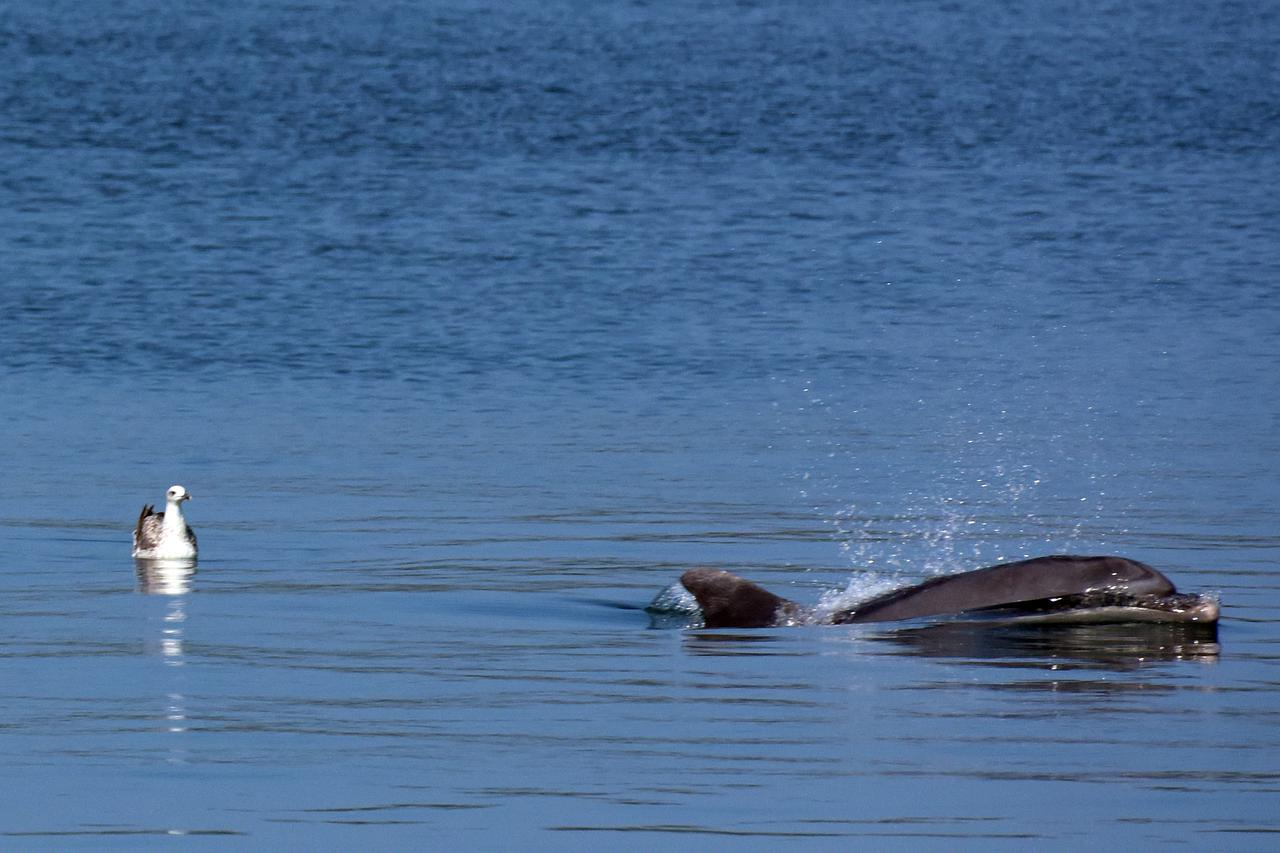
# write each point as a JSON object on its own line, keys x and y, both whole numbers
{"x": 1011, "y": 583}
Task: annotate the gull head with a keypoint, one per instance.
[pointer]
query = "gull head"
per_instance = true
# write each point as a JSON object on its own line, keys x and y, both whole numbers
{"x": 177, "y": 494}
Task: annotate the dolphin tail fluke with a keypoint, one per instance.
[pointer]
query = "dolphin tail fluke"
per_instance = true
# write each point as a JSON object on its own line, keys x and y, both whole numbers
{"x": 728, "y": 601}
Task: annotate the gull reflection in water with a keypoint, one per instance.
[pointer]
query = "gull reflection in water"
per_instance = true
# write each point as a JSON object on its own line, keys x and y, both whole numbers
{"x": 165, "y": 577}
{"x": 171, "y": 578}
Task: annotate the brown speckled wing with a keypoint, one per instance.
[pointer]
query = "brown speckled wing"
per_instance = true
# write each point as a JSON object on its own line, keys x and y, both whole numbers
{"x": 147, "y": 533}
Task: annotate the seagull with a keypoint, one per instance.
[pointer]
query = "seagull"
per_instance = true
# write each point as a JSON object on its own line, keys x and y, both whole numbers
{"x": 165, "y": 535}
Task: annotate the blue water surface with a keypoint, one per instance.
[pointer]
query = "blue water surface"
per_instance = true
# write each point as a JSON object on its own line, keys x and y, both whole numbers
{"x": 471, "y": 325}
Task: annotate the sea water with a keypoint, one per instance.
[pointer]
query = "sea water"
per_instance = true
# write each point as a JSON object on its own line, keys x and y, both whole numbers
{"x": 471, "y": 325}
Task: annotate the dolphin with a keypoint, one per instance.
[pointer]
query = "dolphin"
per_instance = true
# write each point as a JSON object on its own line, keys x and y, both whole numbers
{"x": 1058, "y": 588}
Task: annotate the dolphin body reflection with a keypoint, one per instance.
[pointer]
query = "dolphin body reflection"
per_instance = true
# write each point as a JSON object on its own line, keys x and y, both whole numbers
{"x": 1047, "y": 589}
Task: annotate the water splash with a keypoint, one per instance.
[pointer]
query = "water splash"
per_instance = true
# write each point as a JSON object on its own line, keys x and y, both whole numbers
{"x": 674, "y": 607}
